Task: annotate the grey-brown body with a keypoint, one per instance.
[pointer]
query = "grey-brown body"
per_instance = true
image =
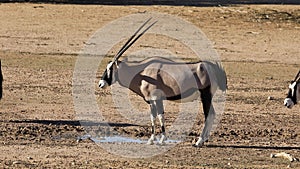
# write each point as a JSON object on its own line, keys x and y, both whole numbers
{"x": 157, "y": 79}
{"x": 160, "y": 78}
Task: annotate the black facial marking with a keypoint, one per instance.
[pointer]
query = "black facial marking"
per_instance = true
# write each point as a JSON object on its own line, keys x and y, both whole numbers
{"x": 163, "y": 130}
{"x": 153, "y": 129}
{"x": 295, "y": 94}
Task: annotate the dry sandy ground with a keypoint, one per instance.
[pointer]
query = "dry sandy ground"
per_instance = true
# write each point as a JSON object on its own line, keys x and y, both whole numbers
{"x": 259, "y": 48}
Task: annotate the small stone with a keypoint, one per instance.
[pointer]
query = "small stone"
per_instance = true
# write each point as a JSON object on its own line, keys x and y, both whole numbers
{"x": 270, "y": 98}
{"x": 17, "y": 162}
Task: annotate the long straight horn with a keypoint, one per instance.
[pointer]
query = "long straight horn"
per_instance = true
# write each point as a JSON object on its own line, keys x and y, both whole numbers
{"x": 297, "y": 76}
{"x": 132, "y": 39}
{"x": 135, "y": 33}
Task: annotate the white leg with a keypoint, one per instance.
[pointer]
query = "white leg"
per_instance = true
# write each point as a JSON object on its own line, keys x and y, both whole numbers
{"x": 153, "y": 118}
{"x": 151, "y": 139}
{"x": 161, "y": 118}
{"x": 163, "y": 132}
{"x": 207, "y": 128}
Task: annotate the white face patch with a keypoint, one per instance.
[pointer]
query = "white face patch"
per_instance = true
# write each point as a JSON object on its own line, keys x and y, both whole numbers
{"x": 288, "y": 103}
{"x": 108, "y": 67}
{"x": 102, "y": 84}
{"x": 293, "y": 88}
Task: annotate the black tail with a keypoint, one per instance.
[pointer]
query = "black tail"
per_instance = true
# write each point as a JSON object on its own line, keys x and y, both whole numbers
{"x": 220, "y": 74}
{"x": 222, "y": 77}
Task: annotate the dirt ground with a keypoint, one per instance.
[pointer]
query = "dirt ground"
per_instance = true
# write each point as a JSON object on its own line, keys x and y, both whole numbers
{"x": 260, "y": 50}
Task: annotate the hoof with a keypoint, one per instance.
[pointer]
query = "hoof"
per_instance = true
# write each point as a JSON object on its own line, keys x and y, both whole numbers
{"x": 200, "y": 142}
{"x": 161, "y": 144}
{"x": 151, "y": 140}
{"x": 198, "y": 145}
{"x": 162, "y": 140}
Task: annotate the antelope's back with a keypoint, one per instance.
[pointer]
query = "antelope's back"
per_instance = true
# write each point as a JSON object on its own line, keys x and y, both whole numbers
{"x": 171, "y": 77}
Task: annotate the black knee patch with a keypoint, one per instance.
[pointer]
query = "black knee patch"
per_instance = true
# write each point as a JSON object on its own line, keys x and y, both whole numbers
{"x": 153, "y": 129}
{"x": 163, "y": 130}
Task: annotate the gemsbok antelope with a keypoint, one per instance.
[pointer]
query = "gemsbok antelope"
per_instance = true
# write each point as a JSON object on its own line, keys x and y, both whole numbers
{"x": 157, "y": 79}
{"x": 293, "y": 96}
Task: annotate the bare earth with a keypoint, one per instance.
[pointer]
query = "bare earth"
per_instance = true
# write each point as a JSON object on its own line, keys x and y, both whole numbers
{"x": 259, "y": 48}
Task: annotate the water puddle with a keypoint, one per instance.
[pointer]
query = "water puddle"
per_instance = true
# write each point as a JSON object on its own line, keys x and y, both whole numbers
{"x": 120, "y": 139}
{"x": 129, "y": 146}
{"x": 117, "y": 139}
